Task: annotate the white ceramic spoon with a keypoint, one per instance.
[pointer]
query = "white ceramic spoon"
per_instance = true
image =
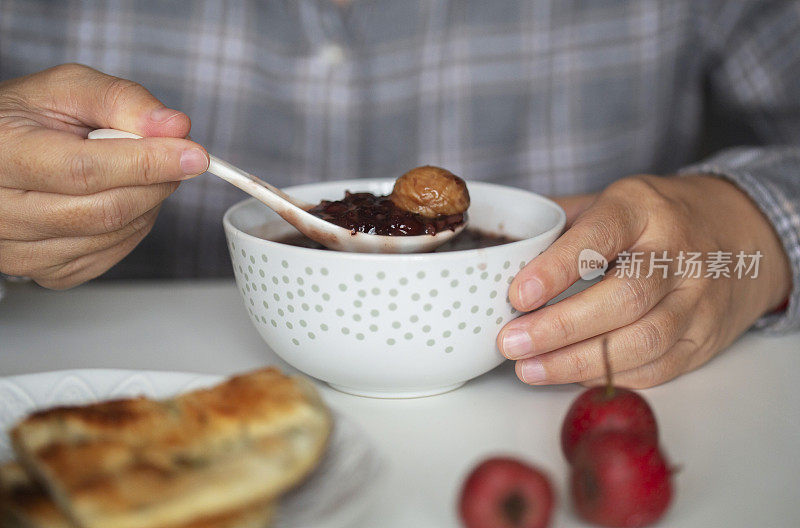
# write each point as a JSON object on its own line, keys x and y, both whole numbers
{"x": 295, "y": 212}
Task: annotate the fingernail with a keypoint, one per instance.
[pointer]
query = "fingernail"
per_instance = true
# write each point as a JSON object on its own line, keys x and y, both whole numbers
{"x": 516, "y": 343}
{"x": 163, "y": 114}
{"x": 194, "y": 161}
{"x": 532, "y": 371}
{"x": 530, "y": 292}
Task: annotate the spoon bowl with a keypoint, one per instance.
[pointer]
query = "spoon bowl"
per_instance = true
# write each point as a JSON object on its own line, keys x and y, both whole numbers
{"x": 296, "y": 212}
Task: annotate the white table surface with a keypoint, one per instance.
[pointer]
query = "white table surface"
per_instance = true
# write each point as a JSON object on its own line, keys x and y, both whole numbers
{"x": 733, "y": 426}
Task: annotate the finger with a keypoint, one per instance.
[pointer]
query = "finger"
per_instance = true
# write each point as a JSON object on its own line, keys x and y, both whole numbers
{"x": 614, "y": 302}
{"x": 574, "y": 205}
{"x": 103, "y": 101}
{"x": 670, "y": 365}
{"x": 41, "y": 159}
{"x": 34, "y": 259}
{"x": 608, "y": 227}
{"x": 93, "y": 265}
{"x": 629, "y": 347}
{"x": 34, "y": 215}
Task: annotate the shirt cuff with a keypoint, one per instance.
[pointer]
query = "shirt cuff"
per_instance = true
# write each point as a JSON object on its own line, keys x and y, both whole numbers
{"x": 769, "y": 177}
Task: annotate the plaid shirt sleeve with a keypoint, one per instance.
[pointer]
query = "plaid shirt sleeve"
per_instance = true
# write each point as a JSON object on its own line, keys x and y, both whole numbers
{"x": 755, "y": 73}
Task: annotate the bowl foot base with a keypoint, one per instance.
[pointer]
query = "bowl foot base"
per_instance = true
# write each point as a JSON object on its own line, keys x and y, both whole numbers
{"x": 396, "y": 394}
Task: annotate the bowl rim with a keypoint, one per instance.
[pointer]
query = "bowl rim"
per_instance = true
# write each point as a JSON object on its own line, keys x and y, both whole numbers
{"x": 397, "y": 257}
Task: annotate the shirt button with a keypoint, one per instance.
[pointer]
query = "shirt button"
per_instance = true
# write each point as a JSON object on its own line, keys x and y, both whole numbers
{"x": 331, "y": 54}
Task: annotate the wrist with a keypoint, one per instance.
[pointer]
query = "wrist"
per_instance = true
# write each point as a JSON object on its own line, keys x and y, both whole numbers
{"x": 739, "y": 225}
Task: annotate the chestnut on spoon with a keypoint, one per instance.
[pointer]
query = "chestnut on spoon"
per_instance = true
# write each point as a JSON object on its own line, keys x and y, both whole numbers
{"x": 296, "y": 212}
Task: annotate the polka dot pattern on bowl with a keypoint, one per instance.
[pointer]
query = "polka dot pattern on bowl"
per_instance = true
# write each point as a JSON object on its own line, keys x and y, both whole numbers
{"x": 393, "y": 307}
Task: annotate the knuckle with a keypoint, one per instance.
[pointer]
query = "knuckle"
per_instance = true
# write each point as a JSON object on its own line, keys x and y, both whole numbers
{"x": 169, "y": 188}
{"x": 634, "y": 295}
{"x": 82, "y": 171}
{"x": 672, "y": 323}
{"x": 145, "y": 164}
{"x": 693, "y": 354}
{"x": 562, "y": 263}
{"x": 69, "y": 70}
{"x": 142, "y": 223}
{"x": 605, "y": 234}
{"x": 55, "y": 283}
{"x": 640, "y": 190}
{"x": 113, "y": 213}
{"x": 638, "y": 187}
{"x": 644, "y": 379}
{"x": 12, "y": 101}
{"x": 162, "y": 191}
{"x": 624, "y": 188}
{"x": 650, "y": 338}
{"x": 117, "y": 91}
{"x": 63, "y": 278}
{"x": 580, "y": 367}
{"x": 652, "y": 374}
{"x": 562, "y": 325}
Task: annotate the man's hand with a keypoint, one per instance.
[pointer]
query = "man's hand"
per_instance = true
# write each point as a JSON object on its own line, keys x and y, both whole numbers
{"x": 71, "y": 208}
{"x": 657, "y": 327}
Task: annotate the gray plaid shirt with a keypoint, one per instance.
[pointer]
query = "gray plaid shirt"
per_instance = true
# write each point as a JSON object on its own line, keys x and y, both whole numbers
{"x": 555, "y": 96}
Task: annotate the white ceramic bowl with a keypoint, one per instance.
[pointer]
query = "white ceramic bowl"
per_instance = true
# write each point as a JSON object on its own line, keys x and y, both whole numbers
{"x": 388, "y": 326}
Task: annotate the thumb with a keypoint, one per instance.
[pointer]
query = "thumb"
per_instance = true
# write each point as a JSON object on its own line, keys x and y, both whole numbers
{"x": 574, "y": 205}
{"x": 103, "y": 101}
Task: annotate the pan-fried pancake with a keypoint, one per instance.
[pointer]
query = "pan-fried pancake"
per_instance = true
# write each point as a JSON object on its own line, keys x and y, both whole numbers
{"x": 140, "y": 463}
{"x": 24, "y": 504}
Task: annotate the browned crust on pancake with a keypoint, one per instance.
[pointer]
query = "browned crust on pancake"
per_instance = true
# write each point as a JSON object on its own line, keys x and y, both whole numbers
{"x": 144, "y": 463}
{"x": 25, "y": 504}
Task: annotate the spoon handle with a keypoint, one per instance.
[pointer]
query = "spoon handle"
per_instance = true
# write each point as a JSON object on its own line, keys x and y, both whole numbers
{"x": 234, "y": 175}
{"x": 252, "y": 185}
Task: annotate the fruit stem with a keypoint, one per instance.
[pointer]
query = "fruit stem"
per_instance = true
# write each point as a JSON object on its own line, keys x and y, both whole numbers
{"x": 609, "y": 377}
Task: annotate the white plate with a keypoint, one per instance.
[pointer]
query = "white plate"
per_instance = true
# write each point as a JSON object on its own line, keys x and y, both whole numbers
{"x": 336, "y": 495}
